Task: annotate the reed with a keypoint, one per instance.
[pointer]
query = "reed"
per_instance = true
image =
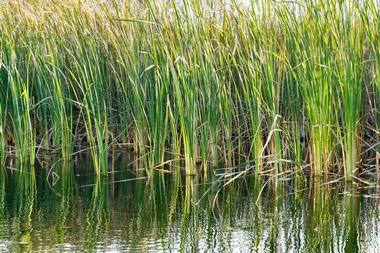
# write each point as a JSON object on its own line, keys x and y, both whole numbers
{"x": 209, "y": 84}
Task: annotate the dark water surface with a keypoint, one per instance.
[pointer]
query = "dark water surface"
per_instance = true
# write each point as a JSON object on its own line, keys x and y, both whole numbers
{"x": 74, "y": 212}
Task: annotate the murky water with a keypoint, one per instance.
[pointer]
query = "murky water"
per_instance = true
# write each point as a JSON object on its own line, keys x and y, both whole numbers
{"x": 73, "y": 212}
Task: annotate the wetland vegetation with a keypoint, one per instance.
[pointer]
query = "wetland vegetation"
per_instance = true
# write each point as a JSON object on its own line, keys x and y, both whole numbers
{"x": 189, "y": 125}
{"x": 269, "y": 85}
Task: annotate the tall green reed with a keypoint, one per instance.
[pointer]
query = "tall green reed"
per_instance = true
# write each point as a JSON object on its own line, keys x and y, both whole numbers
{"x": 206, "y": 84}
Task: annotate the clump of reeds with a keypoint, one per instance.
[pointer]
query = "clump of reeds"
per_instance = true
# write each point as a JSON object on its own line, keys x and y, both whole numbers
{"x": 207, "y": 84}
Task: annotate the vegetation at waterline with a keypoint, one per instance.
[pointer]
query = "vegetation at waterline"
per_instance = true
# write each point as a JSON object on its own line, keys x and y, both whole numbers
{"x": 262, "y": 85}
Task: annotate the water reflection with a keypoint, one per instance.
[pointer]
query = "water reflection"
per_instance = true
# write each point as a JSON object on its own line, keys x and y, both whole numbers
{"x": 170, "y": 212}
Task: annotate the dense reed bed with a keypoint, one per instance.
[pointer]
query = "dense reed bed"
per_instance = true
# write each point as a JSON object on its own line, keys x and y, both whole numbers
{"x": 264, "y": 85}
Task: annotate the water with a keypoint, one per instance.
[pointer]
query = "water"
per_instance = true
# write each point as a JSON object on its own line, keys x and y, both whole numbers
{"x": 73, "y": 212}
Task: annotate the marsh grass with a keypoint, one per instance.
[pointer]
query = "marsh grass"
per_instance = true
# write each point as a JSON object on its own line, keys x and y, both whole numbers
{"x": 207, "y": 84}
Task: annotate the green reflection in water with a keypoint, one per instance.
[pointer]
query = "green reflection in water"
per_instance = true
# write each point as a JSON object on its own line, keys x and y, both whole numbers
{"x": 170, "y": 212}
{"x": 23, "y": 203}
{"x": 66, "y": 189}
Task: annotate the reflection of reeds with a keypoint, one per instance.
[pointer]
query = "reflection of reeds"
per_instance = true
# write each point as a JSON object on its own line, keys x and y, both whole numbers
{"x": 97, "y": 215}
{"x": 352, "y": 218}
{"x": 174, "y": 213}
{"x": 2, "y": 203}
{"x": 66, "y": 205}
{"x": 24, "y": 203}
{"x": 190, "y": 221}
{"x": 320, "y": 219}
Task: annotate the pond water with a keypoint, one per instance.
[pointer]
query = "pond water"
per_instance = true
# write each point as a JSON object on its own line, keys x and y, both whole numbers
{"x": 125, "y": 212}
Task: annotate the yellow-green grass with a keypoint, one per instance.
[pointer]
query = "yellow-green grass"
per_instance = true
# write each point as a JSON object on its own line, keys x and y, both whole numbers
{"x": 211, "y": 85}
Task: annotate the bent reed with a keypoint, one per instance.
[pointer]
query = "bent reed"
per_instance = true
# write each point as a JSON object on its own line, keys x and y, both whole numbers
{"x": 264, "y": 84}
